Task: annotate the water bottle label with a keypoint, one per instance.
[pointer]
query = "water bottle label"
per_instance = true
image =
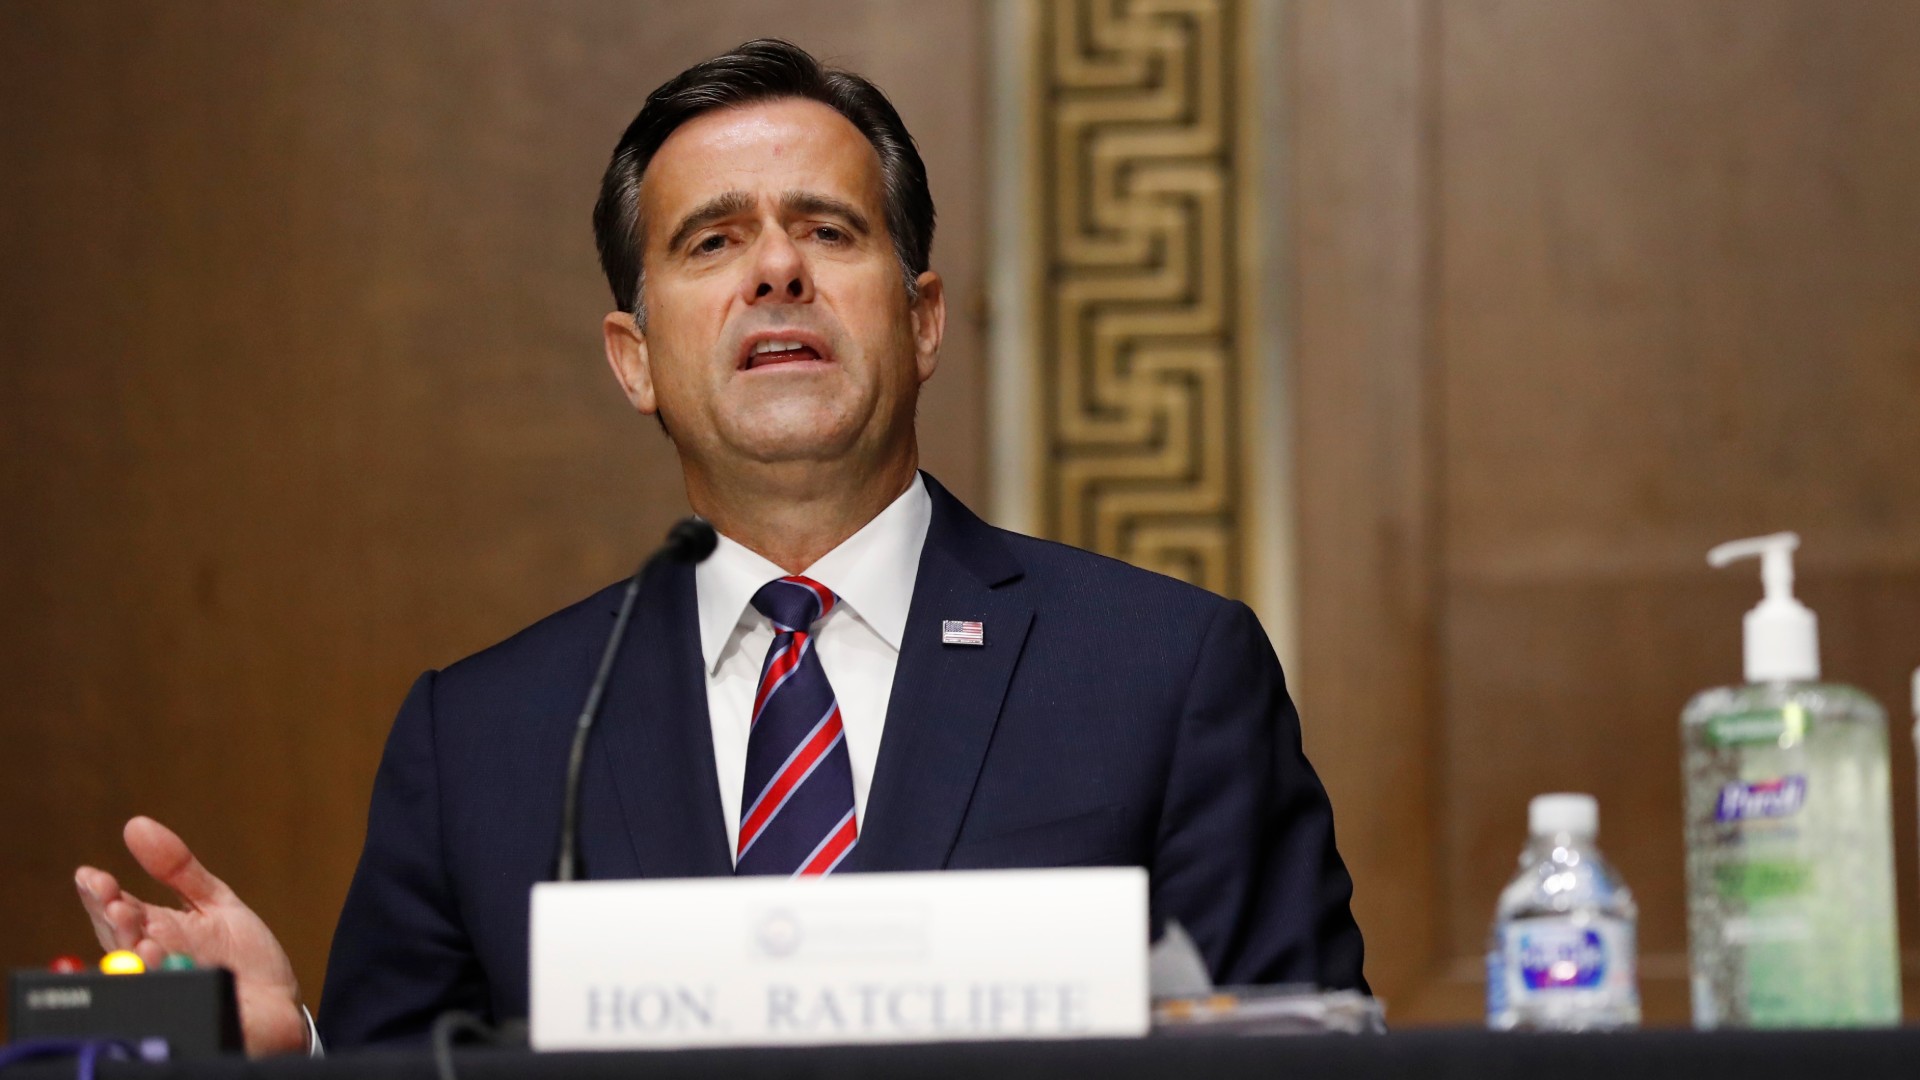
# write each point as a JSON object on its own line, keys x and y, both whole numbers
{"x": 1555, "y": 956}
{"x": 1496, "y": 987}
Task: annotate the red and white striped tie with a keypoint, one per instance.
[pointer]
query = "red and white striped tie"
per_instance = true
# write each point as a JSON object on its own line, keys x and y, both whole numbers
{"x": 796, "y": 807}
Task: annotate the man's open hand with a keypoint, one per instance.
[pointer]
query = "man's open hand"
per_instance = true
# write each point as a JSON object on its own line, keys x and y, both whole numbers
{"x": 214, "y": 928}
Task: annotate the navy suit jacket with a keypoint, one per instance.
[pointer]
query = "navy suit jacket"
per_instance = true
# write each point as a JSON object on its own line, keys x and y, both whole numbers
{"x": 1113, "y": 717}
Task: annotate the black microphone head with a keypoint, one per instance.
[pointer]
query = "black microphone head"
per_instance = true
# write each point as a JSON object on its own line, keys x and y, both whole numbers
{"x": 690, "y": 540}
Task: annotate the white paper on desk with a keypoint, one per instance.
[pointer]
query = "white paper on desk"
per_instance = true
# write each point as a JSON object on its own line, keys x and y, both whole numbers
{"x": 1003, "y": 954}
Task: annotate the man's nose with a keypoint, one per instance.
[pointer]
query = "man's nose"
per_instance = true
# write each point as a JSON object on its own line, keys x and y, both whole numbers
{"x": 780, "y": 273}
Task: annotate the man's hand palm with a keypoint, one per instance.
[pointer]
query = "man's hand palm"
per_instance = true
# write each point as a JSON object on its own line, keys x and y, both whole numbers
{"x": 214, "y": 928}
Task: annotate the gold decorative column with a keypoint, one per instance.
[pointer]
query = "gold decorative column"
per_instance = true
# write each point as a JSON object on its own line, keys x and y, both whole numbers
{"x": 1140, "y": 367}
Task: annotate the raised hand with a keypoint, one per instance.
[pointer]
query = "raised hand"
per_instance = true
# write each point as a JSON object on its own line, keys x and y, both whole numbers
{"x": 213, "y": 927}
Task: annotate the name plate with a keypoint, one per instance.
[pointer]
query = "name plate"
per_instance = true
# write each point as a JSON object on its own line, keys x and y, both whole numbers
{"x": 999, "y": 954}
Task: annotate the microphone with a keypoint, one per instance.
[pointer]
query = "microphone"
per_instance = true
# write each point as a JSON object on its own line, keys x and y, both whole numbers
{"x": 689, "y": 541}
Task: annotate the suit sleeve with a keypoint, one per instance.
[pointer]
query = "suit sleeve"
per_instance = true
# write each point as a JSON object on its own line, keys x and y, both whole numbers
{"x": 400, "y": 955}
{"x": 1244, "y": 857}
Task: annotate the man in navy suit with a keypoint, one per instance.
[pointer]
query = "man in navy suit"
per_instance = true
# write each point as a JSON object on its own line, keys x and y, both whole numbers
{"x": 765, "y": 226}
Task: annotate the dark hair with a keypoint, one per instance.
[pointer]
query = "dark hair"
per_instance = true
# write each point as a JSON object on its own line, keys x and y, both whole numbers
{"x": 760, "y": 70}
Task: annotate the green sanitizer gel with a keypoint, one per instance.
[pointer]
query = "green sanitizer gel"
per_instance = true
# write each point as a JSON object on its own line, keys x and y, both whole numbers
{"x": 1790, "y": 896}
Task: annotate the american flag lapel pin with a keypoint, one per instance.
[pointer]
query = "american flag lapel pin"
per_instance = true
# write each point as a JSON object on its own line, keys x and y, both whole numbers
{"x": 956, "y": 632}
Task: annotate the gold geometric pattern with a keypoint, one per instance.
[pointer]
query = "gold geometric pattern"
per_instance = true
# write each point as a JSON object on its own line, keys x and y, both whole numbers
{"x": 1142, "y": 357}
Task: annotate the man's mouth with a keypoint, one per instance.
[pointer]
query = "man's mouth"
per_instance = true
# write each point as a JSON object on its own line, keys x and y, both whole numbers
{"x": 779, "y": 352}
{"x": 771, "y": 351}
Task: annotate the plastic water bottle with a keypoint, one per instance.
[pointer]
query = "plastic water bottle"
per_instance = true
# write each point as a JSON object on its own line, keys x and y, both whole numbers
{"x": 1561, "y": 955}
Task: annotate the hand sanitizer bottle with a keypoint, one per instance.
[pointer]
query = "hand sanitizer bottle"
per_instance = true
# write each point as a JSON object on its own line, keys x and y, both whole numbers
{"x": 1790, "y": 899}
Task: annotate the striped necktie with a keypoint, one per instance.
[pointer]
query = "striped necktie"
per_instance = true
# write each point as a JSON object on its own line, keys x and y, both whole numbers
{"x": 796, "y": 806}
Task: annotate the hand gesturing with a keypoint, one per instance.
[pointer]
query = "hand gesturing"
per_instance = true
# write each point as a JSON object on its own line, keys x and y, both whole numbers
{"x": 213, "y": 927}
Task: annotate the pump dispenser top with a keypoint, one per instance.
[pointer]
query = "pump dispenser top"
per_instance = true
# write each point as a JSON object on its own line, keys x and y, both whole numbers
{"x": 1782, "y": 634}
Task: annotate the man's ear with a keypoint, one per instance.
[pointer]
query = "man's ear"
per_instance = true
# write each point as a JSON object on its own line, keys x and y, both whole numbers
{"x": 627, "y": 356}
{"x": 929, "y": 322}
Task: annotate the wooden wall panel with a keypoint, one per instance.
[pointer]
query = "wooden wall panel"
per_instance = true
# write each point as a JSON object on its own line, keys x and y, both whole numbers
{"x": 1670, "y": 253}
{"x": 301, "y": 390}
{"x": 1365, "y": 506}
{"x": 1676, "y": 297}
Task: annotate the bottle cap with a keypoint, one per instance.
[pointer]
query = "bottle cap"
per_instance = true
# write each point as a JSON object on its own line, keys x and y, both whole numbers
{"x": 1782, "y": 640}
{"x": 1564, "y": 813}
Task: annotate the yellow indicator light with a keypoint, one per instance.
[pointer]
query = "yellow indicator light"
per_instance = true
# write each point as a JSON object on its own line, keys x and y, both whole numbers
{"x": 122, "y": 962}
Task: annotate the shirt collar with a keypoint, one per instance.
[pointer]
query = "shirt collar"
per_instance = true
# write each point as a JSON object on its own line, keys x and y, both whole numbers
{"x": 872, "y": 572}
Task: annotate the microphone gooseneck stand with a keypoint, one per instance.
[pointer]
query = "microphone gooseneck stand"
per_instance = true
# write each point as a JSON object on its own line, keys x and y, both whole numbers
{"x": 689, "y": 541}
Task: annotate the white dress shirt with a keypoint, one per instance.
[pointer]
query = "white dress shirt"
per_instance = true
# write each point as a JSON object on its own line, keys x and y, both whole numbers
{"x": 872, "y": 572}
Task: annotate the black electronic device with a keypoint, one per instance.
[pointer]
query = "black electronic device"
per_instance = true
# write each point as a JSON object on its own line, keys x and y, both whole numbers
{"x": 193, "y": 1010}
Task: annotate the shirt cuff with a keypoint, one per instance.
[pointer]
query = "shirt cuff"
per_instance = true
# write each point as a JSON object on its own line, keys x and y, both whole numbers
{"x": 314, "y": 1047}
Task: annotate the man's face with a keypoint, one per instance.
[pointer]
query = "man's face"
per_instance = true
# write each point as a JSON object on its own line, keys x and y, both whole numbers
{"x": 777, "y": 324}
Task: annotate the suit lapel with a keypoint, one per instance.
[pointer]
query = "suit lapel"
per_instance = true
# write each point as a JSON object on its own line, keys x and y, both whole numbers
{"x": 658, "y": 739}
{"x": 946, "y": 698}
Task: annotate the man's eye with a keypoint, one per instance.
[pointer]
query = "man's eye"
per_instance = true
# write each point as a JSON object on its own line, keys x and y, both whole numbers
{"x": 709, "y": 244}
{"x": 832, "y": 234}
